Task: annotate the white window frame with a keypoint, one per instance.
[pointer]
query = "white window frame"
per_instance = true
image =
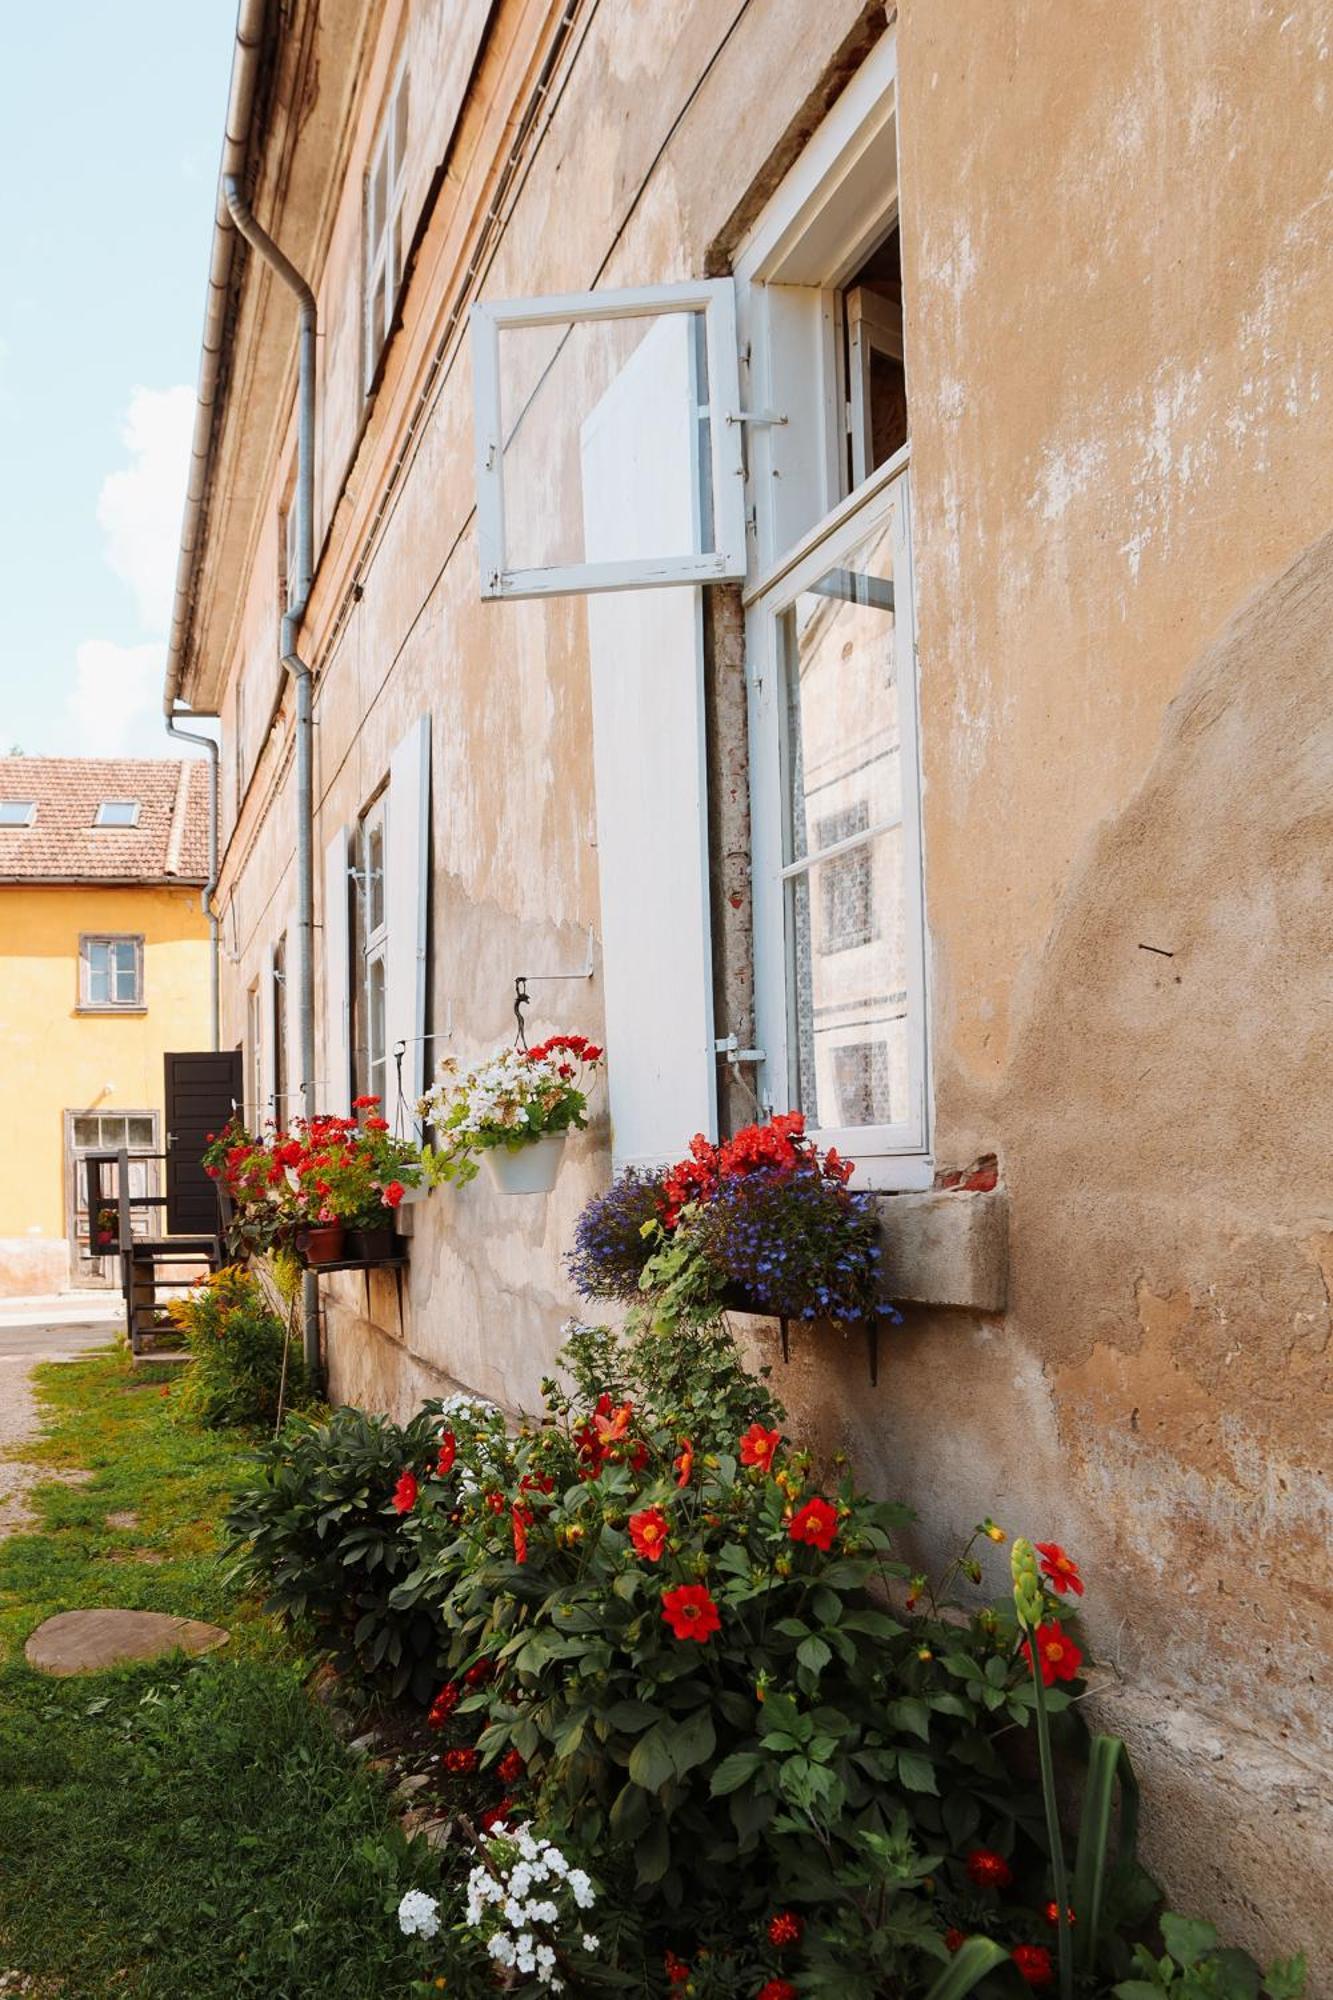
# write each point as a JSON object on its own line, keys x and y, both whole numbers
{"x": 87, "y": 1005}
{"x": 375, "y": 950}
{"x": 10, "y": 808}
{"x": 384, "y": 254}
{"x": 816, "y": 231}
{"x": 254, "y": 1056}
{"x": 895, "y": 1155}
{"x": 715, "y": 299}
{"x": 870, "y": 331}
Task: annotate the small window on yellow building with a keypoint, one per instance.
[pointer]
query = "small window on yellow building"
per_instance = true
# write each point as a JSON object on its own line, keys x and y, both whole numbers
{"x": 110, "y": 973}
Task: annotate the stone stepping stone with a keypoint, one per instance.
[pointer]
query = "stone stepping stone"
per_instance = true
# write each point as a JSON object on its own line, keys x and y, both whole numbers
{"x": 84, "y": 1642}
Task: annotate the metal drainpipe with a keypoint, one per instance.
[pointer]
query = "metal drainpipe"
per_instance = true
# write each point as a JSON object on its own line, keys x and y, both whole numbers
{"x": 299, "y": 597}
{"x": 214, "y": 938}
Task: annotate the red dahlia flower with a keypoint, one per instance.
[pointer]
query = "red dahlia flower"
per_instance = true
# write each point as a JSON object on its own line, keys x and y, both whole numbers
{"x": 495, "y": 1815}
{"x": 648, "y": 1531}
{"x": 519, "y": 1518}
{"x": 444, "y": 1464}
{"x": 1034, "y": 1962}
{"x": 460, "y": 1761}
{"x": 1059, "y": 1657}
{"x": 988, "y": 1869}
{"x": 786, "y": 1928}
{"x": 510, "y": 1768}
{"x": 675, "y": 1968}
{"x": 405, "y": 1493}
{"x": 691, "y": 1612}
{"x": 777, "y": 1989}
{"x": 816, "y": 1524}
{"x": 444, "y": 1704}
{"x": 759, "y": 1447}
{"x": 1060, "y": 1570}
{"x": 685, "y": 1463}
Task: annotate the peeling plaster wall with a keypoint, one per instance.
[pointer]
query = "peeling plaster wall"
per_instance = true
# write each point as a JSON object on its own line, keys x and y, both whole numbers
{"x": 1116, "y": 228}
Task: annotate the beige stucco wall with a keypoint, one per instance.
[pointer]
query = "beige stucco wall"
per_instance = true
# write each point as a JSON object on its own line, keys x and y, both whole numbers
{"x": 1115, "y": 232}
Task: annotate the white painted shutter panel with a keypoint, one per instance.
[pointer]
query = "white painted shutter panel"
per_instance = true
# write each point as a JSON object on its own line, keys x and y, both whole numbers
{"x": 640, "y": 494}
{"x": 333, "y": 1092}
{"x": 294, "y": 1106}
{"x": 406, "y": 890}
{"x": 267, "y": 1108}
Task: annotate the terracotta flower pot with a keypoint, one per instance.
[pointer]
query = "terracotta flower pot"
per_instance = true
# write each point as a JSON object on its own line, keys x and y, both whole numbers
{"x": 324, "y": 1243}
{"x": 530, "y": 1167}
{"x": 371, "y": 1246}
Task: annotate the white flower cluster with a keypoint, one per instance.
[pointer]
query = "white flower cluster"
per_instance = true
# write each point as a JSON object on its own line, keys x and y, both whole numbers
{"x": 514, "y": 1899}
{"x": 419, "y": 1915}
{"x": 509, "y": 1092}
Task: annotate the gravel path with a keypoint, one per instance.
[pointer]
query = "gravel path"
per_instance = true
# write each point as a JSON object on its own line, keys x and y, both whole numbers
{"x": 20, "y": 1418}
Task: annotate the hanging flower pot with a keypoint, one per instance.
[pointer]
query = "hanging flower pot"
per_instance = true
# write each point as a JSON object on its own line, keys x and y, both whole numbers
{"x": 530, "y": 1167}
{"x": 324, "y": 1243}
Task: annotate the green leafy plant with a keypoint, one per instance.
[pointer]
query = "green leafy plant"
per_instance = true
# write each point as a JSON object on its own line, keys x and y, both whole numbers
{"x": 244, "y": 1367}
{"x": 319, "y": 1531}
{"x": 1196, "y": 1966}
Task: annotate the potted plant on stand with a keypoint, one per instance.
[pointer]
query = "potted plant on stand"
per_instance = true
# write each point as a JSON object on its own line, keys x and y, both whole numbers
{"x": 514, "y": 1111}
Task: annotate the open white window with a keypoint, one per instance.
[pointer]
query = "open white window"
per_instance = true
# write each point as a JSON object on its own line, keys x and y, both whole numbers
{"x": 386, "y": 186}
{"x": 543, "y": 371}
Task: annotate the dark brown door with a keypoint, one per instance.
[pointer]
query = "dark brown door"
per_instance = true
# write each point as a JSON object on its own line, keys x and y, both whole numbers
{"x": 202, "y": 1091}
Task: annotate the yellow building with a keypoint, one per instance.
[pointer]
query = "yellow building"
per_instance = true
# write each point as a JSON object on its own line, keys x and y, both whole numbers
{"x": 103, "y": 969}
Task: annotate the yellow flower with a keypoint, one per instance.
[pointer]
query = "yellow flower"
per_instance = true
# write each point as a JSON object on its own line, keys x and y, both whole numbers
{"x": 992, "y": 1531}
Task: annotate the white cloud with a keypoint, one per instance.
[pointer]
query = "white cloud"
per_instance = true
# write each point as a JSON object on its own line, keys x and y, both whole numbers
{"x": 114, "y": 707}
{"x": 139, "y": 507}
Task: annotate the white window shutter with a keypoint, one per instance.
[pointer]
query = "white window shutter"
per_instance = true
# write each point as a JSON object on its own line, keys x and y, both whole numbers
{"x": 267, "y": 1108}
{"x": 294, "y": 1105}
{"x": 333, "y": 1088}
{"x": 640, "y": 478}
{"x": 406, "y": 890}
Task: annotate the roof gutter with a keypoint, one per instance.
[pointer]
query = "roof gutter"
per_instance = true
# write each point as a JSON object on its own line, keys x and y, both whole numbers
{"x": 245, "y": 67}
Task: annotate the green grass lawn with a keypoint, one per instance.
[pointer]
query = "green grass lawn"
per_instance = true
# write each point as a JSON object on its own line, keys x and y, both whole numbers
{"x": 183, "y": 1827}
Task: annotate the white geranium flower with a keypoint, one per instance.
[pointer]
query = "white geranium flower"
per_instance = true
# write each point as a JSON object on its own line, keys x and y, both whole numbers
{"x": 581, "y": 1886}
{"x": 591, "y": 1943}
{"x": 419, "y": 1915}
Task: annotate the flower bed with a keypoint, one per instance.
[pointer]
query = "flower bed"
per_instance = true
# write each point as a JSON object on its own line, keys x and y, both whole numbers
{"x": 656, "y": 1634}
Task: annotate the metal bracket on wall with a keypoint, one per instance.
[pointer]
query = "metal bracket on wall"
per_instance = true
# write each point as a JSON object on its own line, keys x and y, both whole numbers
{"x": 522, "y": 998}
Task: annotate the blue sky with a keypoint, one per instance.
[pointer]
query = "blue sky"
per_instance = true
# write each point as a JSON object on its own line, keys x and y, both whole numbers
{"x": 111, "y": 121}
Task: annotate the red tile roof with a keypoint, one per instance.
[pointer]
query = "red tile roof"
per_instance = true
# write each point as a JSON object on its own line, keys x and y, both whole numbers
{"x": 169, "y": 844}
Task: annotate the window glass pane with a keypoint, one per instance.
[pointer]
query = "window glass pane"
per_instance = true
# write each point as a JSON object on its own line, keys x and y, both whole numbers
{"x": 98, "y": 963}
{"x": 86, "y": 1134}
{"x": 375, "y": 874}
{"x": 377, "y": 203}
{"x": 375, "y": 1024}
{"x": 141, "y": 1133}
{"x": 113, "y": 1133}
{"x": 846, "y": 913}
{"x": 118, "y": 812}
{"x": 601, "y": 431}
{"x": 378, "y": 320}
{"x": 124, "y": 972}
{"x": 400, "y": 128}
{"x": 849, "y": 985}
{"x": 16, "y": 812}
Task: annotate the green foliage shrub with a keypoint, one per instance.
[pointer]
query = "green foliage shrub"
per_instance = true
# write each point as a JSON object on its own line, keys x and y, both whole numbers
{"x": 237, "y": 1347}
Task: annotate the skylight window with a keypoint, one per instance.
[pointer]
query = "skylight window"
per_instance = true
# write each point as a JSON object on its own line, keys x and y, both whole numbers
{"x": 117, "y": 812}
{"x": 17, "y": 812}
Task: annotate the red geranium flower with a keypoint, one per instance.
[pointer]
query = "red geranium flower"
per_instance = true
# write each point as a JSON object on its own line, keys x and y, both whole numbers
{"x": 675, "y": 1968}
{"x": 1060, "y": 1658}
{"x": 460, "y": 1761}
{"x": 815, "y": 1523}
{"x": 377, "y": 1124}
{"x": 1034, "y": 1962}
{"x": 444, "y": 1704}
{"x": 786, "y": 1928}
{"x": 510, "y": 1768}
{"x": 405, "y": 1493}
{"x": 363, "y": 1103}
{"x": 519, "y": 1518}
{"x": 1060, "y": 1570}
{"x": 393, "y": 1194}
{"x": 648, "y": 1532}
{"x": 685, "y": 1463}
{"x": 988, "y": 1869}
{"x": 691, "y": 1612}
{"x": 479, "y": 1673}
{"x": 496, "y": 1502}
{"x": 777, "y": 1989}
{"x": 493, "y": 1815}
{"x": 444, "y": 1464}
{"x": 759, "y": 1447}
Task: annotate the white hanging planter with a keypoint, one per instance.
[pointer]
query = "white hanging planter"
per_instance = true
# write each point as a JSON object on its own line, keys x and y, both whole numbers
{"x": 530, "y": 1167}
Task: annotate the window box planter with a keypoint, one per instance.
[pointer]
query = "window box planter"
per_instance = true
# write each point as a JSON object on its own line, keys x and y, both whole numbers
{"x": 371, "y": 1246}
{"x": 325, "y": 1244}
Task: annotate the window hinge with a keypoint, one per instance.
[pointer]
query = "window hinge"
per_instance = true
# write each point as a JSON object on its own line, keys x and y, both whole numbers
{"x": 729, "y": 1047}
{"x": 754, "y": 417}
